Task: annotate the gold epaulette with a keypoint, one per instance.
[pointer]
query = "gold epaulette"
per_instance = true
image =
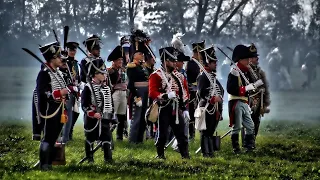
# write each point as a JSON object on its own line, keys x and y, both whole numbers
{"x": 195, "y": 83}
{"x": 131, "y": 65}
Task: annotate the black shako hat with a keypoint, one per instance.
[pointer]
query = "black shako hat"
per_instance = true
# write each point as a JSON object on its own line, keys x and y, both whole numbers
{"x": 168, "y": 53}
{"x": 209, "y": 55}
{"x": 92, "y": 43}
{"x": 198, "y": 46}
{"x": 51, "y": 50}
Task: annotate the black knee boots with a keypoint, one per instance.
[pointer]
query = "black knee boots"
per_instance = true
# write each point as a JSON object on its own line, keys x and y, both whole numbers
{"x": 184, "y": 151}
{"x": 250, "y": 142}
{"x": 160, "y": 152}
{"x": 210, "y": 146}
{"x": 89, "y": 153}
{"x": 44, "y": 155}
{"x": 235, "y": 143}
{"x": 122, "y": 119}
{"x": 107, "y": 152}
{"x": 207, "y": 146}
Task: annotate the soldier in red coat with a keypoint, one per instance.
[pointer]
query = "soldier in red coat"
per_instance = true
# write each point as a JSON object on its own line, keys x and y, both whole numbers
{"x": 169, "y": 89}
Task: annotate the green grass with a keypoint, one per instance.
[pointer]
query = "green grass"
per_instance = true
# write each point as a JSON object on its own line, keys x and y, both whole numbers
{"x": 285, "y": 150}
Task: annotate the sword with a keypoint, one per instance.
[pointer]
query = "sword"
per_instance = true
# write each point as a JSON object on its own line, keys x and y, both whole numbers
{"x": 167, "y": 145}
{"x": 93, "y": 151}
{"x": 97, "y": 147}
{"x": 37, "y": 58}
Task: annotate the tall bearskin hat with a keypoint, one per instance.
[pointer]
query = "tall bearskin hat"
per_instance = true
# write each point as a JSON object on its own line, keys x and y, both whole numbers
{"x": 168, "y": 53}
{"x": 139, "y": 41}
{"x": 116, "y": 54}
{"x": 209, "y": 55}
{"x": 51, "y": 50}
{"x": 197, "y": 47}
{"x": 92, "y": 42}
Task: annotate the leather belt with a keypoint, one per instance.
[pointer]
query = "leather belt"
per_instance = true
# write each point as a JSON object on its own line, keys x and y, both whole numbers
{"x": 232, "y": 97}
{"x": 141, "y": 84}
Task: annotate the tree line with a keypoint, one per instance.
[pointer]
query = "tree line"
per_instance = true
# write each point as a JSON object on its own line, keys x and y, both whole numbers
{"x": 291, "y": 25}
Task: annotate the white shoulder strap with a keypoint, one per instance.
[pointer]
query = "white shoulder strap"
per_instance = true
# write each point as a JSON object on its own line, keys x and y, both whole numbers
{"x": 165, "y": 78}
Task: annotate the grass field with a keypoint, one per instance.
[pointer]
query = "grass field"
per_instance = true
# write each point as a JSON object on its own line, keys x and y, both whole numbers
{"x": 285, "y": 150}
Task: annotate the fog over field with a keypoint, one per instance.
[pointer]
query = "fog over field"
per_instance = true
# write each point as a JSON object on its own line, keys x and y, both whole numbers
{"x": 298, "y": 105}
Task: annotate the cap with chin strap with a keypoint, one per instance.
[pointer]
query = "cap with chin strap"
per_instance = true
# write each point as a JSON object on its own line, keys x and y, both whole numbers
{"x": 168, "y": 53}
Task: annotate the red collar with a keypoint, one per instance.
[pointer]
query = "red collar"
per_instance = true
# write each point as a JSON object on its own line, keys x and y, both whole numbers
{"x": 242, "y": 67}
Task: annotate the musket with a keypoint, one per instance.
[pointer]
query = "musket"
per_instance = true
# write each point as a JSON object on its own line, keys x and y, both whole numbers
{"x": 230, "y": 48}
{"x": 241, "y": 73}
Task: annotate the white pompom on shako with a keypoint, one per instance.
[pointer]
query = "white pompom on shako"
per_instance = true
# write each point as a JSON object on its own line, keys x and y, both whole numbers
{"x": 177, "y": 42}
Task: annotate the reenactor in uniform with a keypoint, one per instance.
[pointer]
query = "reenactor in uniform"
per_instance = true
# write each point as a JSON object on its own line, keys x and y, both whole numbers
{"x": 138, "y": 86}
{"x": 193, "y": 71}
{"x": 211, "y": 94}
{"x": 260, "y": 99}
{"x": 52, "y": 93}
{"x": 93, "y": 47}
{"x": 169, "y": 88}
{"x": 125, "y": 44}
{"x": 97, "y": 105}
{"x": 119, "y": 91}
{"x": 71, "y": 73}
{"x": 238, "y": 86}
{"x": 181, "y": 59}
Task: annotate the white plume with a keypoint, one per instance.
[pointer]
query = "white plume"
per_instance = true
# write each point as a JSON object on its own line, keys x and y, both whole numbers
{"x": 177, "y": 42}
